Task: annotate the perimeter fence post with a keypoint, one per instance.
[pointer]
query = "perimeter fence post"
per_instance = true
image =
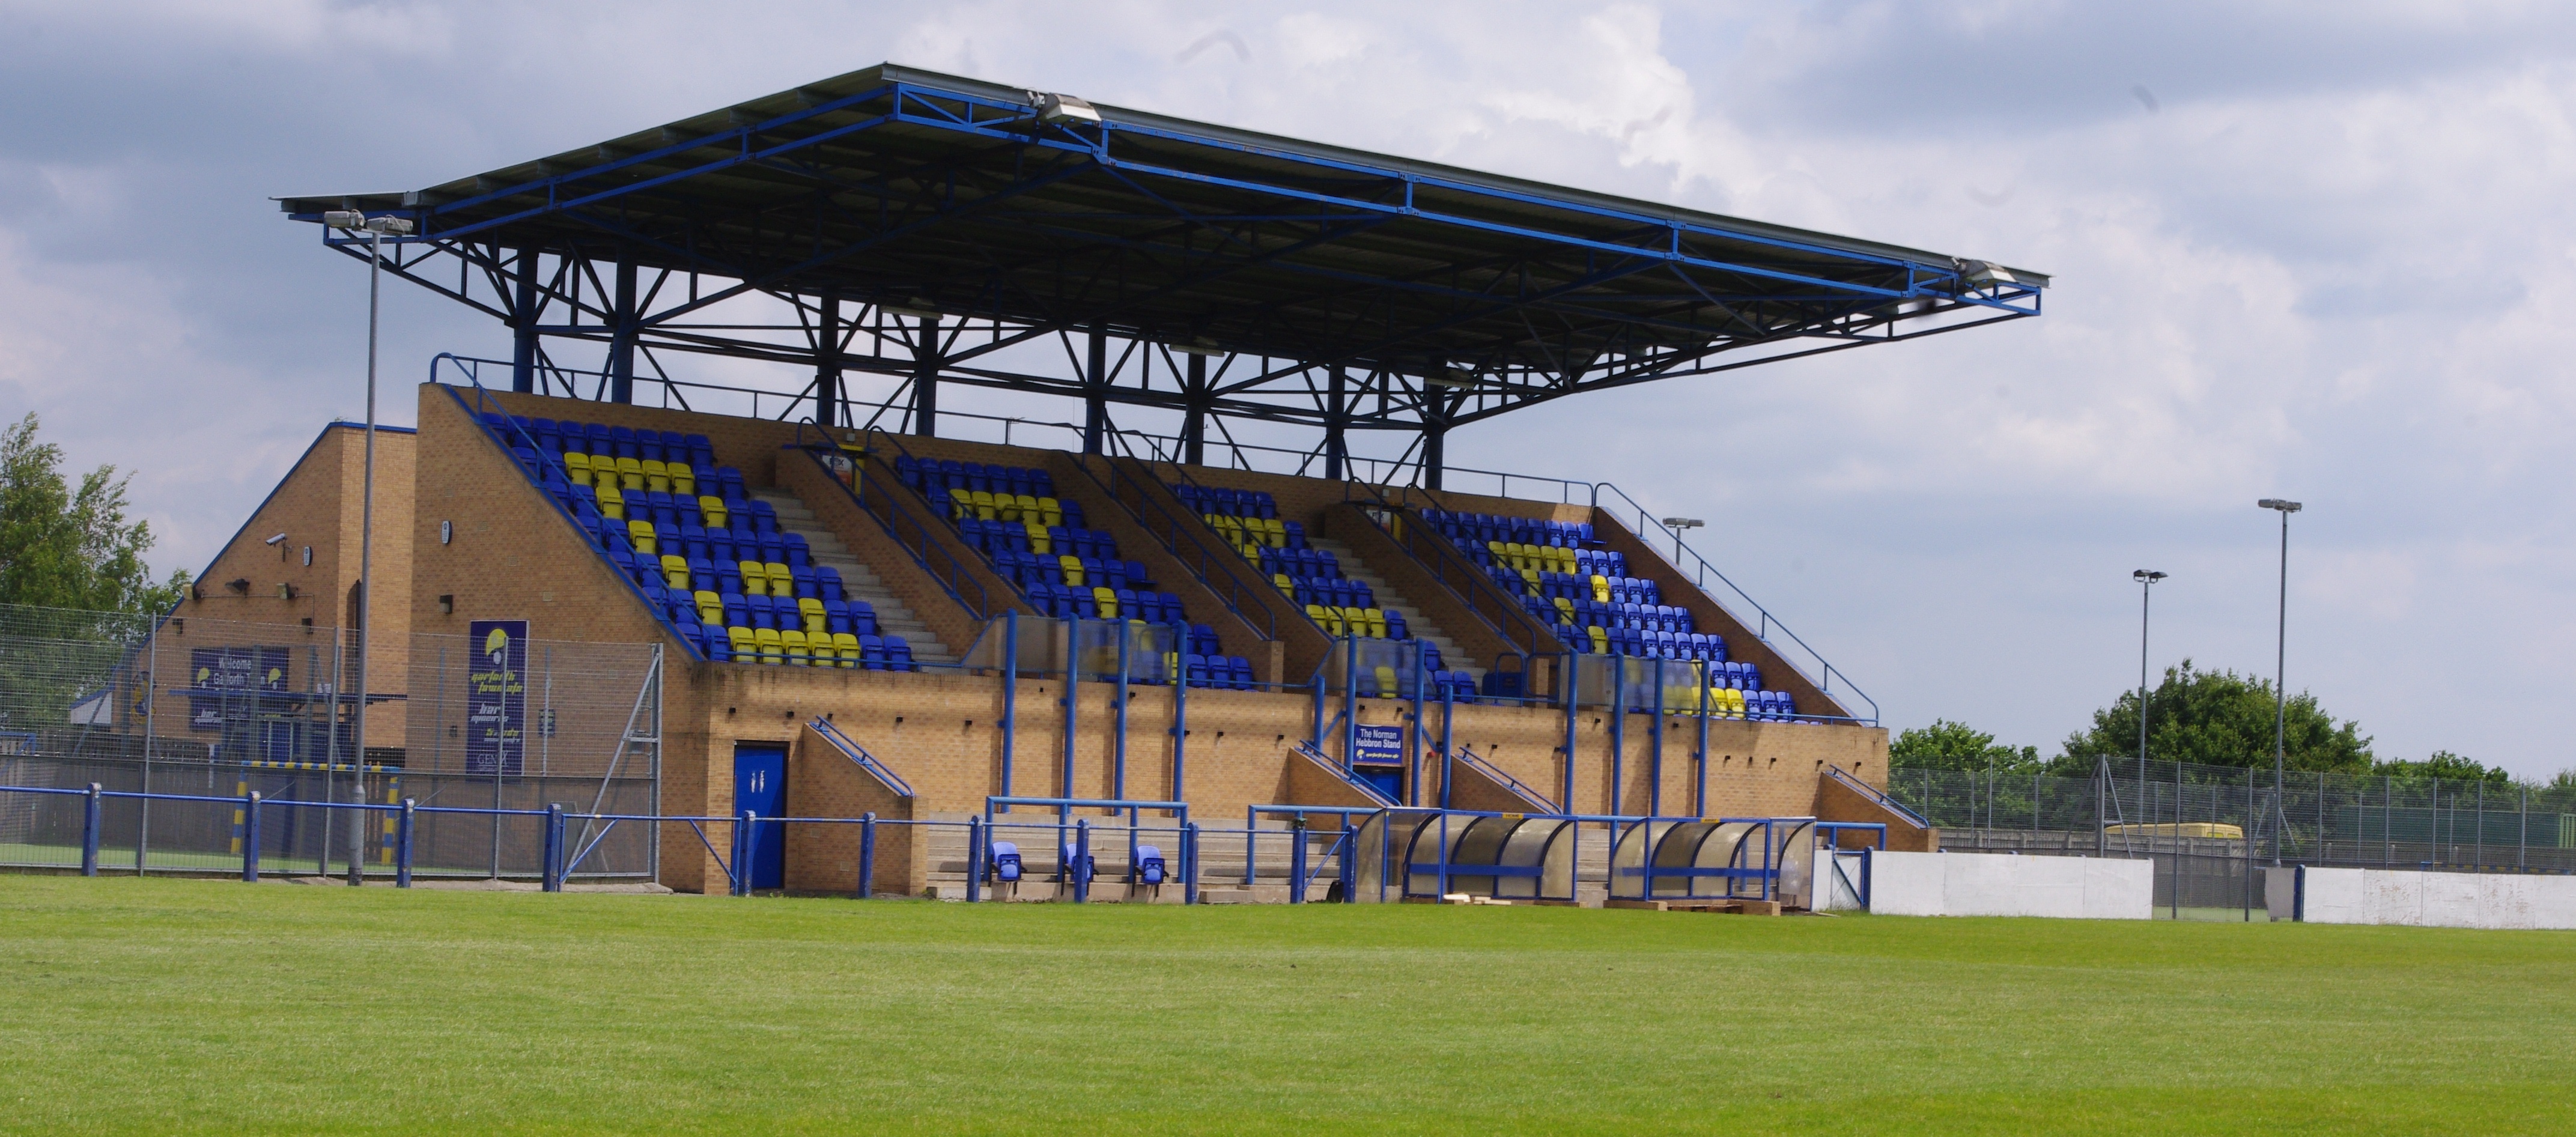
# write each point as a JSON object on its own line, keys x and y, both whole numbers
{"x": 89, "y": 831}
{"x": 741, "y": 874}
{"x": 974, "y": 859}
{"x": 250, "y": 837}
{"x": 1297, "y": 859}
{"x": 402, "y": 844}
{"x": 553, "y": 870}
{"x": 867, "y": 855}
{"x": 1082, "y": 861}
{"x": 1189, "y": 862}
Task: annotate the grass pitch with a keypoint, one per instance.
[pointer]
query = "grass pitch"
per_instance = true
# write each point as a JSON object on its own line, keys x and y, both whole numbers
{"x": 201, "y": 1006}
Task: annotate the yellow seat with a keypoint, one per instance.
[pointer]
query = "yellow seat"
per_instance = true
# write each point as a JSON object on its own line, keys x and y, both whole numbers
{"x": 714, "y": 509}
{"x": 811, "y": 611}
{"x": 1600, "y": 640}
{"x": 792, "y": 645}
{"x": 1734, "y": 703}
{"x": 1329, "y": 618}
{"x": 630, "y": 473}
{"x": 675, "y": 571}
{"x": 744, "y": 646}
{"x": 1563, "y": 558}
{"x": 1106, "y": 599}
{"x": 1600, "y": 589}
{"x": 710, "y": 607}
{"x": 1564, "y": 610}
{"x": 961, "y": 504}
{"x": 612, "y": 504}
{"x": 1024, "y": 509}
{"x": 1386, "y": 688}
{"x": 1499, "y": 550}
{"x": 818, "y": 645}
{"x": 576, "y": 467}
{"x": 1037, "y": 534}
{"x": 1529, "y": 579}
{"x": 755, "y": 579}
{"x": 640, "y": 532}
{"x": 772, "y": 649}
{"x": 984, "y": 507}
{"x": 1287, "y": 587}
{"x": 1274, "y": 532}
{"x": 1376, "y": 618}
{"x": 657, "y": 477}
{"x": 1050, "y": 511}
{"x": 782, "y": 579}
{"x": 1071, "y": 566}
{"x": 684, "y": 481}
{"x": 847, "y": 647}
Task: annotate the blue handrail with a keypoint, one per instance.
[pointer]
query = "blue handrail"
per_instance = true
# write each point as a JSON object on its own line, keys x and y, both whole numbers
{"x": 894, "y": 520}
{"x": 860, "y": 755}
{"x": 1233, "y": 592}
{"x": 1468, "y": 757}
{"x": 1877, "y": 796}
{"x": 1198, "y": 525}
{"x": 1825, "y": 670}
{"x": 1481, "y": 592}
{"x": 1369, "y": 791}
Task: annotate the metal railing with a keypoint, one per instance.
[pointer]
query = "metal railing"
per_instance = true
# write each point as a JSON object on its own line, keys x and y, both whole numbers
{"x": 909, "y": 533}
{"x": 1196, "y": 557}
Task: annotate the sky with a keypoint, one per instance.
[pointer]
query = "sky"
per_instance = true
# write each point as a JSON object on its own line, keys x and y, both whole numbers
{"x": 2304, "y": 253}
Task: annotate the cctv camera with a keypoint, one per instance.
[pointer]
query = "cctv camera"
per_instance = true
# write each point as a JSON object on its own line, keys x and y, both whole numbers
{"x": 274, "y": 540}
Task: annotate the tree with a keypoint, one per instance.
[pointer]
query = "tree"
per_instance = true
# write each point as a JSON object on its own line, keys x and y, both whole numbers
{"x": 2217, "y": 718}
{"x": 67, "y": 548}
{"x": 1947, "y": 745}
{"x": 2444, "y": 765}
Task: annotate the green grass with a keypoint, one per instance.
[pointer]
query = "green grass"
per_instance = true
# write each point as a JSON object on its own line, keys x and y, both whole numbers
{"x": 210, "y": 1006}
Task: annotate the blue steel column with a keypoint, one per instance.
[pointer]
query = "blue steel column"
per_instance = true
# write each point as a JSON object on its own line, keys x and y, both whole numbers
{"x": 1618, "y": 726}
{"x": 1118, "y": 763}
{"x": 1194, "y": 413}
{"x": 523, "y": 319}
{"x": 1095, "y": 380}
{"x": 621, "y": 341}
{"x": 1573, "y": 704}
{"x": 1699, "y": 791}
{"x": 1655, "y": 765}
{"x": 827, "y": 360}
{"x": 925, "y": 379}
{"x": 1010, "y": 693}
{"x": 1180, "y": 705}
{"x": 1072, "y": 683}
{"x": 1448, "y": 742}
{"x": 1413, "y": 737}
{"x": 1350, "y": 699}
{"x": 1336, "y": 414}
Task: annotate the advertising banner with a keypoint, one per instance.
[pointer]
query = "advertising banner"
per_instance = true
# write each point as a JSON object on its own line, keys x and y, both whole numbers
{"x": 496, "y": 693}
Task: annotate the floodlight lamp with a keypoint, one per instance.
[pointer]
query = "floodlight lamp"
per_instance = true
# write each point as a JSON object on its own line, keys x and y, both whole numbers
{"x": 1198, "y": 347}
{"x": 344, "y": 219}
{"x": 1062, "y": 108}
{"x": 2148, "y": 575}
{"x": 918, "y": 307}
{"x": 2279, "y": 504}
{"x": 1983, "y": 273}
{"x": 1683, "y": 523}
{"x": 1451, "y": 377}
{"x": 389, "y": 226}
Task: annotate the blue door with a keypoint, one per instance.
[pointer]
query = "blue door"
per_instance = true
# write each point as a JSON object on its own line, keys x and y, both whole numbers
{"x": 760, "y": 785}
{"x": 1389, "y": 780}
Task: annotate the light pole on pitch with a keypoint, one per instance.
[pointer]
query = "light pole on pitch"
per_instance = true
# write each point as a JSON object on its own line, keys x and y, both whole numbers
{"x": 2280, "y": 672}
{"x": 352, "y": 221}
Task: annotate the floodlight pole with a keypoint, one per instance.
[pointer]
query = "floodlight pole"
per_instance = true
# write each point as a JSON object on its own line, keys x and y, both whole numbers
{"x": 2146, "y": 579}
{"x": 2280, "y": 671}
{"x": 366, "y": 568}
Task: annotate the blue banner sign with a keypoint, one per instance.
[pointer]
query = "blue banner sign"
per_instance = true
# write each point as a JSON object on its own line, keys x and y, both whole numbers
{"x": 1379, "y": 746}
{"x": 496, "y": 698}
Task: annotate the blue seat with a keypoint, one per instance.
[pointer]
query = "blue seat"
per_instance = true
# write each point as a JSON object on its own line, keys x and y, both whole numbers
{"x": 898, "y": 654}
{"x": 1081, "y": 869}
{"x": 1006, "y": 862}
{"x": 1149, "y": 864}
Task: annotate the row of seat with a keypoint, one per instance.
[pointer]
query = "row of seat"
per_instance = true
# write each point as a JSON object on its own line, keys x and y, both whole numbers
{"x": 1366, "y": 623}
{"x": 1102, "y": 602}
{"x": 935, "y": 477}
{"x": 1027, "y": 570}
{"x": 1567, "y": 586}
{"x": 1588, "y": 614}
{"x": 1024, "y": 509}
{"x": 1009, "y": 536}
{"x": 1205, "y": 500}
{"x": 1250, "y": 535}
{"x": 794, "y": 648}
{"x": 595, "y": 440}
{"x": 1481, "y": 528}
{"x": 748, "y": 577}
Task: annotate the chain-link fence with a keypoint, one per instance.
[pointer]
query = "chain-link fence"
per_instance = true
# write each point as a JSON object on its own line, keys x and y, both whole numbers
{"x": 223, "y": 709}
{"x": 2213, "y": 829}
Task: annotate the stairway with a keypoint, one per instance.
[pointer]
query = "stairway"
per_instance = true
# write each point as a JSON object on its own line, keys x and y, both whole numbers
{"x": 858, "y": 581}
{"x": 1391, "y": 600}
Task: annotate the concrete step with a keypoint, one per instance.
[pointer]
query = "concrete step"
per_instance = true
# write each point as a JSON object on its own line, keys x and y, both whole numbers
{"x": 858, "y": 581}
{"x": 1391, "y": 600}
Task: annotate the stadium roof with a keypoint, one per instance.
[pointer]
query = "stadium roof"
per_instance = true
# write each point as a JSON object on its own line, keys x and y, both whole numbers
{"x": 1449, "y": 295}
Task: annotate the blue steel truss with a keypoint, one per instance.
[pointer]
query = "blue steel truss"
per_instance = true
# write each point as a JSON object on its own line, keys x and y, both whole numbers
{"x": 949, "y": 232}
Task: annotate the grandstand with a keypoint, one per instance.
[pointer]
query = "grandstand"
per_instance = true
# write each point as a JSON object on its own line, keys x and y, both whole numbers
{"x": 919, "y": 624}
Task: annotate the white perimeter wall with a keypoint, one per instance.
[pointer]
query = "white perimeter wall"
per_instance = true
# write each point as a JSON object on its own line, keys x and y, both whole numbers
{"x": 2430, "y": 899}
{"x": 1990, "y": 884}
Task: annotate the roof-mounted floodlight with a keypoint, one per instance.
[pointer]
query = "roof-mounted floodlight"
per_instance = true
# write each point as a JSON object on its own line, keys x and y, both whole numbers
{"x": 917, "y": 307}
{"x": 1062, "y": 108}
{"x": 1452, "y": 378}
{"x": 344, "y": 219}
{"x": 1683, "y": 523}
{"x": 2277, "y": 503}
{"x": 1198, "y": 347}
{"x": 1981, "y": 274}
{"x": 389, "y": 226}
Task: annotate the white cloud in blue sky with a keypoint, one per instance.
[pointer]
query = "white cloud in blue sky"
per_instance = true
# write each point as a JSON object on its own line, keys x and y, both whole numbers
{"x": 2320, "y": 254}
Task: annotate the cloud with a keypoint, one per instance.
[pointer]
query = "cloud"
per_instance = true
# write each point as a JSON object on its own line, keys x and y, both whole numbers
{"x": 2332, "y": 264}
